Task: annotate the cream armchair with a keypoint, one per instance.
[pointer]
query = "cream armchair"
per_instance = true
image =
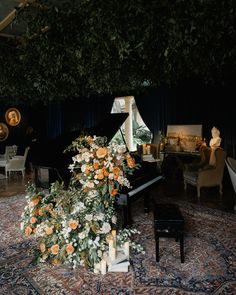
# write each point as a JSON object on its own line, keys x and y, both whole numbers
{"x": 231, "y": 166}
{"x": 17, "y": 163}
{"x": 10, "y": 152}
{"x": 207, "y": 176}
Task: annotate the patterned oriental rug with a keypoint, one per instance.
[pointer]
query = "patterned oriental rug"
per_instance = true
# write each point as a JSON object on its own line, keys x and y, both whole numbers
{"x": 209, "y": 268}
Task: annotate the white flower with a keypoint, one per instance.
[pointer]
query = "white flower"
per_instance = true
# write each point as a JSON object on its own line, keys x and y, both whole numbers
{"x": 106, "y": 228}
{"x": 114, "y": 219}
{"x": 89, "y": 217}
{"x": 99, "y": 216}
{"x": 82, "y": 235}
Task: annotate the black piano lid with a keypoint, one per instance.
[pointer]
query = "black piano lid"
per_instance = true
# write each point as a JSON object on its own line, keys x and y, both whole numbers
{"x": 49, "y": 153}
{"x": 110, "y": 125}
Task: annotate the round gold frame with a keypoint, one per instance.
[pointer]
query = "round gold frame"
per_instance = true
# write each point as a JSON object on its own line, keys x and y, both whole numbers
{"x": 13, "y": 116}
{"x": 4, "y": 132}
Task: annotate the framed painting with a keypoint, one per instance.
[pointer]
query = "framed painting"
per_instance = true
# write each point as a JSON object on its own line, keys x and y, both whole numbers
{"x": 13, "y": 116}
{"x": 187, "y": 137}
{"x": 3, "y": 131}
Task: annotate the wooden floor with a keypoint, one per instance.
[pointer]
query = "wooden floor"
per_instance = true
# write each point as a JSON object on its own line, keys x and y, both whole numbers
{"x": 170, "y": 187}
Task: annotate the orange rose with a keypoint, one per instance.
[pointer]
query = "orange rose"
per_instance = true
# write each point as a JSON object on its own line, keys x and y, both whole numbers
{"x": 40, "y": 212}
{"x": 36, "y": 200}
{"x": 105, "y": 172}
{"x": 55, "y": 249}
{"x": 28, "y": 231}
{"x": 70, "y": 249}
{"x": 73, "y": 224}
{"x": 95, "y": 165}
{"x": 101, "y": 152}
{"x": 100, "y": 176}
{"x": 131, "y": 162}
{"x": 87, "y": 171}
{"x": 33, "y": 220}
{"x": 49, "y": 230}
{"x": 116, "y": 172}
{"x": 114, "y": 192}
{"x": 35, "y": 212}
{"x": 42, "y": 247}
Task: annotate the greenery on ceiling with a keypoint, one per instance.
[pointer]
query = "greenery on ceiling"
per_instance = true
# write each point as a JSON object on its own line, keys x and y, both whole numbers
{"x": 90, "y": 47}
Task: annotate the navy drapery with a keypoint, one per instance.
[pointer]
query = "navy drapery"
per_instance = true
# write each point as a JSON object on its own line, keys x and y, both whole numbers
{"x": 86, "y": 112}
{"x": 154, "y": 108}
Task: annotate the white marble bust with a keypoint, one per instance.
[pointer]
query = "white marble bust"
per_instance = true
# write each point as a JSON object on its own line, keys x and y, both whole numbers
{"x": 215, "y": 140}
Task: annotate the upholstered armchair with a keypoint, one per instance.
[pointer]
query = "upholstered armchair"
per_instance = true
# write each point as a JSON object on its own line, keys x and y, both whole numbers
{"x": 17, "y": 163}
{"x": 207, "y": 175}
{"x": 231, "y": 166}
{"x": 10, "y": 152}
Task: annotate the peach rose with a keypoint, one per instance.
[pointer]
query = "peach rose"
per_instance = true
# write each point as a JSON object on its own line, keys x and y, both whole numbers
{"x": 131, "y": 162}
{"x": 33, "y": 220}
{"x": 40, "y": 212}
{"x": 42, "y": 247}
{"x": 49, "y": 230}
{"x": 114, "y": 192}
{"x": 55, "y": 249}
{"x": 28, "y": 231}
{"x": 100, "y": 176}
{"x": 35, "y": 200}
{"x": 70, "y": 249}
{"x": 101, "y": 152}
{"x": 105, "y": 172}
{"x": 116, "y": 172}
{"x": 95, "y": 165}
{"x": 73, "y": 224}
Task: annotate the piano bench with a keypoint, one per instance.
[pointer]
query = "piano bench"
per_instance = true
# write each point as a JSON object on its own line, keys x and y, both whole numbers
{"x": 168, "y": 222}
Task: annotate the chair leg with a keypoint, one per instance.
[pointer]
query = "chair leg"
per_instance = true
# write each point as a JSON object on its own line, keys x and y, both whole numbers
{"x": 198, "y": 191}
{"x": 185, "y": 185}
{"x": 221, "y": 189}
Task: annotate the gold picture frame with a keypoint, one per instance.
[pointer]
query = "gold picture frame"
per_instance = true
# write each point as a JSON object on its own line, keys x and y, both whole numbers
{"x": 13, "y": 116}
{"x": 4, "y": 132}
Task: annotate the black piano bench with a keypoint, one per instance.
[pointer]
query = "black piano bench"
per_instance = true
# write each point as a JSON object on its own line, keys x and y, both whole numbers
{"x": 168, "y": 222}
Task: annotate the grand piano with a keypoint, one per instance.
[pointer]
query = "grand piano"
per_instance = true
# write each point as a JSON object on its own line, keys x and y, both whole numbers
{"x": 50, "y": 163}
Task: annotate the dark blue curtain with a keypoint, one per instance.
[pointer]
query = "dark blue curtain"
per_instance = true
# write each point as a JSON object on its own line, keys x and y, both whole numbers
{"x": 86, "y": 112}
{"x": 155, "y": 107}
{"x": 54, "y": 126}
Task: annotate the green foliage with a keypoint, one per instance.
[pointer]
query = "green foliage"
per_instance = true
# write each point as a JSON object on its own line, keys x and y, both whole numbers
{"x": 80, "y": 48}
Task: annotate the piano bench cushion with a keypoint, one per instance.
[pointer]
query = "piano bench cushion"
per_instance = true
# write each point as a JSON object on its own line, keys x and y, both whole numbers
{"x": 168, "y": 222}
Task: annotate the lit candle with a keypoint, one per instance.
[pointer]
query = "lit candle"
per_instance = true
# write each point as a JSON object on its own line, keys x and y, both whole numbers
{"x": 112, "y": 253}
{"x": 103, "y": 267}
{"x": 126, "y": 249}
{"x": 144, "y": 149}
{"x": 113, "y": 232}
{"x": 111, "y": 246}
{"x": 148, "y": 149}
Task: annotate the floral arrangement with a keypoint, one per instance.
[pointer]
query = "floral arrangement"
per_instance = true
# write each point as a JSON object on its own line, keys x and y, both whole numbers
{"x": 73, "y": 225}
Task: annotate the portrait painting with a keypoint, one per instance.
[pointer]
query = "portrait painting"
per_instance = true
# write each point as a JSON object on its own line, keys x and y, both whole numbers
{"x": 13, "y": 117}
{"x": 3, "y": 131}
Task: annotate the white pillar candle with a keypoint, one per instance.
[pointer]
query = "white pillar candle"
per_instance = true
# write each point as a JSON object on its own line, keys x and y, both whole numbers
{"x": 113, "y": 232}
{"x": 103, "y": 267}
{"x": 112, "y": 254}
{"x": 111, "y": 246}
{"x": 144, "y": 149}
{"x": 126, "y": 249}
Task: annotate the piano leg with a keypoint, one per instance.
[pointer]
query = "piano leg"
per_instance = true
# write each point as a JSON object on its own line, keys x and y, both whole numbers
{"x": 146, "y": 202}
